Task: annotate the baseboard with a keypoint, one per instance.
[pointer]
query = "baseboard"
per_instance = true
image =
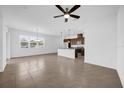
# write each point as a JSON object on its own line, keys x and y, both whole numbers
{"x": 33, "y": 55}
{"x": 2, "y": 69}
{"x": 102, "y": 65}
{"x": 121, "y": 78}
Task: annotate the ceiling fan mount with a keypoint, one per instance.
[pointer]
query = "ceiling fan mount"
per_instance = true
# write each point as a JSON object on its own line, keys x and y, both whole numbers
{"x": 68, "y": 13}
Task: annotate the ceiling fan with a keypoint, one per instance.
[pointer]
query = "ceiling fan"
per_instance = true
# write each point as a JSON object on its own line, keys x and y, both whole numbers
{"x": 67, "y": 12}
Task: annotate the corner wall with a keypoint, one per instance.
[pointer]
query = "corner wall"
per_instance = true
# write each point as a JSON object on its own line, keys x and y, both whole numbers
{"x": 2, "y": 44}
{"x": 100, "y": 42}
{"x": 1, "y": 54}
{"x": 120, "y": 44}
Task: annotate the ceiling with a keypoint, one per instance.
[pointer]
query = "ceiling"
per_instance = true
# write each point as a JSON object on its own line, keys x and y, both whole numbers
{"x": 40, "y": 17}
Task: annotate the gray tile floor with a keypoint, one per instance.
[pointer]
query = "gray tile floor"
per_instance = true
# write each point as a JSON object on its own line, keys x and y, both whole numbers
{"x": 52, "y": 71}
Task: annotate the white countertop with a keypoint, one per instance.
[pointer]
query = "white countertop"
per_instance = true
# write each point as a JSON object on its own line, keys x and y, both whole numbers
{"x": 67, "y": 48}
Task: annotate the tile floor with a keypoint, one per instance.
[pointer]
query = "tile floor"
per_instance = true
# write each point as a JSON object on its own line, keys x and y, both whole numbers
{"x": 52, "y": 71}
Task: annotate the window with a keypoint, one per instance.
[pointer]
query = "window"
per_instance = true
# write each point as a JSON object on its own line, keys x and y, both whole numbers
{"x": 23, "y": 42}
{"x": 31, "y": 41}
{"x": 41, "y": 42}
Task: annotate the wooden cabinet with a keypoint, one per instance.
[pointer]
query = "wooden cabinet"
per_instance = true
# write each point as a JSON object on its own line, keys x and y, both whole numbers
{"x": 79, "y": 35}
{"x": 76, "y": 41}
{"x": 80, "y": 40}
{"x": 66, "y": 40}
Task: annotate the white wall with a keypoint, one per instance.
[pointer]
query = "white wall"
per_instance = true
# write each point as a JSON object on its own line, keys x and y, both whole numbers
{"x": 50, "y": 44}
{"x": 120, "y": 44}
{"x": 100, "y": 42}
{"x": 1, "y": 42}
{"x": 3, "y": 31}
{"x": 4, "y": 28}
{"x": 8, "y": 45}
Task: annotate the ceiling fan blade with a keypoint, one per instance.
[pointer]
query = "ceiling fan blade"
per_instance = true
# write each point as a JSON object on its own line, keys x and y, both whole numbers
{"x": 74, "y": 8}
{"x": 75, "y": 16}
{"x": 66, "y": 19}
{"x": 58, "y": 16}
{"x": 60, "y": 8}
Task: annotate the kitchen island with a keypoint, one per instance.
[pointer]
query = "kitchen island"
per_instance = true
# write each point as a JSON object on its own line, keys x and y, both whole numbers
{"x": 74, "y": 46}
{"x": 67, "y": 52}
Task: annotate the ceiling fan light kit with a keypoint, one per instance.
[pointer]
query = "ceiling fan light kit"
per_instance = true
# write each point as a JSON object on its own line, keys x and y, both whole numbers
{"x": 67, "y": 12}
{"x": 66, "y": 16}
